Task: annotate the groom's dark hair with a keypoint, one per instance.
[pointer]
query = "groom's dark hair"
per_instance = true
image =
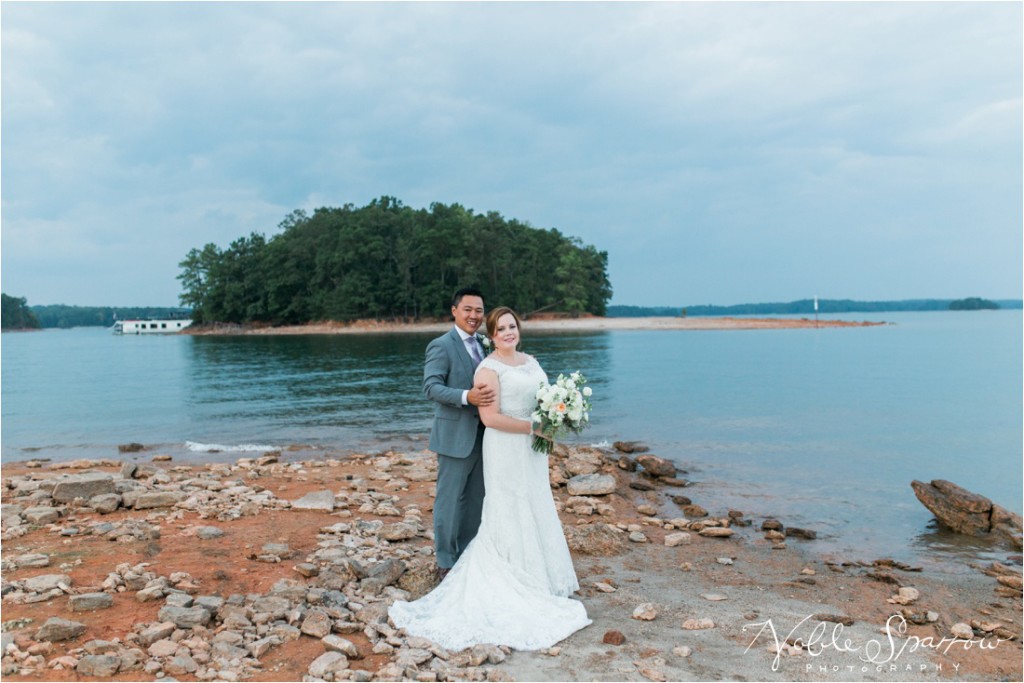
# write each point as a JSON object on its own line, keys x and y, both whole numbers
{"x": 465, "y": 291}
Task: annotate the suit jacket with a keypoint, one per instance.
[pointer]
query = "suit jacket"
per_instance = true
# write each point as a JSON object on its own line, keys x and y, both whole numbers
{"x": 447, "y": 372}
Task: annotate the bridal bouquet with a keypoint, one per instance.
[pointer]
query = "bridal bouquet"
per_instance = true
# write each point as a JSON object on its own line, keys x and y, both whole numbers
{"x": 561, "y": 407}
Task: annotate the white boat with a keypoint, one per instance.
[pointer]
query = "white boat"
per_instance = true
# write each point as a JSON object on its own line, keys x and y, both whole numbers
{"x": 150, "y": 326}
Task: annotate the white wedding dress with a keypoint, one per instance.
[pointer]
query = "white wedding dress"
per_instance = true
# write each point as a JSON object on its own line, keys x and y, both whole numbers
{"x": 511, "y": 585}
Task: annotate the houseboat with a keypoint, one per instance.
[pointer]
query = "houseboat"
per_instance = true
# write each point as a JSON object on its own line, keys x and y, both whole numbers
{"x": 150, "y": 326}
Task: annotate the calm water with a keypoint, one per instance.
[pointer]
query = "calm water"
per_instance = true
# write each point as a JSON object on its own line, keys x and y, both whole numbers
{"x": 823, "y": 428}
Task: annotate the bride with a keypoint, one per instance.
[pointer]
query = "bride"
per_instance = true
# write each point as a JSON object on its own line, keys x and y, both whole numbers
{"x": 512, "y": 584}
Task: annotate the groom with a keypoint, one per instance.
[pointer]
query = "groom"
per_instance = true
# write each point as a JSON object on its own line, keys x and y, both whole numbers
{"x": 457, "y": 433}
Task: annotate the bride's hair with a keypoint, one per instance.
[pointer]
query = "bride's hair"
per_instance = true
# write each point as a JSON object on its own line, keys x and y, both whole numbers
{"x": 492, "y": 319}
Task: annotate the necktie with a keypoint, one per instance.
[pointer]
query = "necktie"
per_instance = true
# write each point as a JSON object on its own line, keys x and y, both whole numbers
{"x": 473, "y": 350}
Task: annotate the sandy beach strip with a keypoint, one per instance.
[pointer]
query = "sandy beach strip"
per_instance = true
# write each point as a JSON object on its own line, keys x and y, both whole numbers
{"x": 537, "y": 324}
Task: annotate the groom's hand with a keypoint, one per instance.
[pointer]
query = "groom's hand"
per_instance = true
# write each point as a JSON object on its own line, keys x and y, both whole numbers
{"x": 481, "y": 395}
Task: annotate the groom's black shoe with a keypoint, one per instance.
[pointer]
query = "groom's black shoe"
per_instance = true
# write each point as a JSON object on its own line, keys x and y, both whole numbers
{"x": 442, "y": 572}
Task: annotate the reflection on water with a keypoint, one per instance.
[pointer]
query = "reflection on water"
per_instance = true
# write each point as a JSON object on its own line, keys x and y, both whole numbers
{"x": 337, "y": 389}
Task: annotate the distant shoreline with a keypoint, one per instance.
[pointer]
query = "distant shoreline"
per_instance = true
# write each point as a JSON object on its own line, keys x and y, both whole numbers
{"x": 543, "y": 324}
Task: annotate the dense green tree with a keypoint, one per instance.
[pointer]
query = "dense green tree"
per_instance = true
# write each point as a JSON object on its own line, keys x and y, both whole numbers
{"x": 16, "y": 315}
{"x": 973, "y": 304}
{"x": 387, "y": 260}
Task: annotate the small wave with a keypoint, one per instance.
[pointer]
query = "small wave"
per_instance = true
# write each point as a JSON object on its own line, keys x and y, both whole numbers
{"x": 602, "y": 444}
{"x": 210, "y": 447}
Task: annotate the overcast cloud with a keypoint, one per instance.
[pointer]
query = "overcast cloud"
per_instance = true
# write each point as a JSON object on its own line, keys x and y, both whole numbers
{"x": 720, "y": 153}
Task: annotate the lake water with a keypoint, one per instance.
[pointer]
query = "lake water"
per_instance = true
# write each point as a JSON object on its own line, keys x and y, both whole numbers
{"x": 824, "y": 428}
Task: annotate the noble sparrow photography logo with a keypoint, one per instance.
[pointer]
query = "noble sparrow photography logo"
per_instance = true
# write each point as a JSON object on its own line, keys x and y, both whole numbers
{"x": 814, "y": 638}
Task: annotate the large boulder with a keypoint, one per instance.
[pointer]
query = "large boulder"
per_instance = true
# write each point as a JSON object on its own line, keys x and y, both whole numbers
{"x": 966, "y": 512}
{"x": 85, "y": 485}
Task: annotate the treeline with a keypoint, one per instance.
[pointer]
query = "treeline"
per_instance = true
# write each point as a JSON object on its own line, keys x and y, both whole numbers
{"x": 806, "y": 307}
{"x": 60, "y": 315}
{"x": 386, "y": 260}
{"x": 15, "y": 314}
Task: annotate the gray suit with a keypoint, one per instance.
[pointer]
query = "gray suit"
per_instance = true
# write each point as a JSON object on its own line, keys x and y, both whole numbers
{"x": 457, "y": 437}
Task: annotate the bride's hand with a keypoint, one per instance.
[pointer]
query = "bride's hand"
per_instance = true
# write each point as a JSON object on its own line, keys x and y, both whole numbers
{"x": 537, "y": 432}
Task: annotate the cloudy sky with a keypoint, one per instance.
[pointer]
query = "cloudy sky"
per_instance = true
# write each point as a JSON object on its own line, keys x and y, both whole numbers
{"x": 720, "y": 153}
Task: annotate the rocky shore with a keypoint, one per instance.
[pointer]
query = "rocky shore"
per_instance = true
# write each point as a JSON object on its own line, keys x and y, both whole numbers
{"x": 266, "y": 569}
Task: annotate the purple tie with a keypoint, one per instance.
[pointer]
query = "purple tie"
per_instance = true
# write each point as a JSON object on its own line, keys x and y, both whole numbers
{"x": 473, "y": 350}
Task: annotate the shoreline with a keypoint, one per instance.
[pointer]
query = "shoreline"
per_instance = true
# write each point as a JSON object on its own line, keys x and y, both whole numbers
{"x": 536, "y": 324}
{"x": 638, "y": 542}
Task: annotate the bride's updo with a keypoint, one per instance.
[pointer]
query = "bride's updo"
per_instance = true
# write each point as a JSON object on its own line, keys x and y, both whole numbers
{"x": 495, "y": 315}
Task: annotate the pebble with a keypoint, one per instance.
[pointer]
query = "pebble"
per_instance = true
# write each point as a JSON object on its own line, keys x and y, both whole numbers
{"x": 724, "y": 560}
{"x": 637, "y": 537}
{"x": 962, "y": 631}
{"x": 604, "y": 587}
{"x": 645, "y": 612}
{"x": 714, "y": 597}
{"x": 698, "y": 624}
{"x": 614, "y": 638}
{"x": 682, "y": 651}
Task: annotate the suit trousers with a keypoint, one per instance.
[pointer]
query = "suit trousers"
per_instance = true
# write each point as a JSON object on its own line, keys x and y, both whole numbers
{"x": 458, "y": 503}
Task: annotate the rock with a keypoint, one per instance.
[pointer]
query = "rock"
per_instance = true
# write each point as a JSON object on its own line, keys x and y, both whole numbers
{"x": 694, "y": 511}
{"x": 591, "y": 485}
{"x": 342, "y": 645}
{"x": 714, "y": 597}
{"x": 152, "y": 634}
{"x": 1014, "y": 582}
{"x": 316, "y": 624}
{"x": 162, "y": 458}
{"x": 32, "y": 560}
{"x": 724, "y": 560}
{"x": 966, "y": 512}
{"x": 962, "y": 631}
{"x": 641, "y": 485}
{"x": 85, "y": 486}
{"x": 40, "y": 514}
{"x": 698, "y": 624}
{"x": 614, "y": 638}
{"x": 906, "y": 596}
{"x": 716, "y": 532}
{"x": 328, "y": 663}
{"x": 307, "y": 569}
{"x": 771, "y": 524}
{"x": 46, "y": 582}
{"x": 132, "y": 447}
{"x": 645, "y": 612}
{"x": 278, "y": 550}
{"x": 834, "y": 618}
{"x": 87, "y": 602}
{"x": 657, "y": 467}
{"x": 678, "y": 538}
{"x": 156, "y": 499}
{"x": 184, "y": 617}
{"x": 180, "y": 665}
{"x": 637, "y": 537}
{"x": 208, "y": 533}
{"x": 399, "y": 531}
{"x": 626, "y": 463}
{"x": 128, "y": 470}
{"x": 100, "y": 666}
{"x": 630, "y": 446}
{"x": 105, "y": 503}
{"x": 652, "y": 674}
{"x": 322, "y": 500}
{"x": 806, "y": 534}
{"x": 596, "y": 539}
{"x": 648, "y": 510}
{"x": 682, "y": 651}
{"x": 605, "y": 587}
{"x": 56, "y": 629}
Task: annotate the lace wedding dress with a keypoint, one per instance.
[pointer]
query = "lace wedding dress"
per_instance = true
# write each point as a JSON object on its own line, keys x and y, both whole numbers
{"x": 511, "y": 585}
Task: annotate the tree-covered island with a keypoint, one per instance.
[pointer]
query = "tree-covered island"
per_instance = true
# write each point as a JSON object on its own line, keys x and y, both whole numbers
{"x": 390, "y": 261}
{"x": 16, "y": 315}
